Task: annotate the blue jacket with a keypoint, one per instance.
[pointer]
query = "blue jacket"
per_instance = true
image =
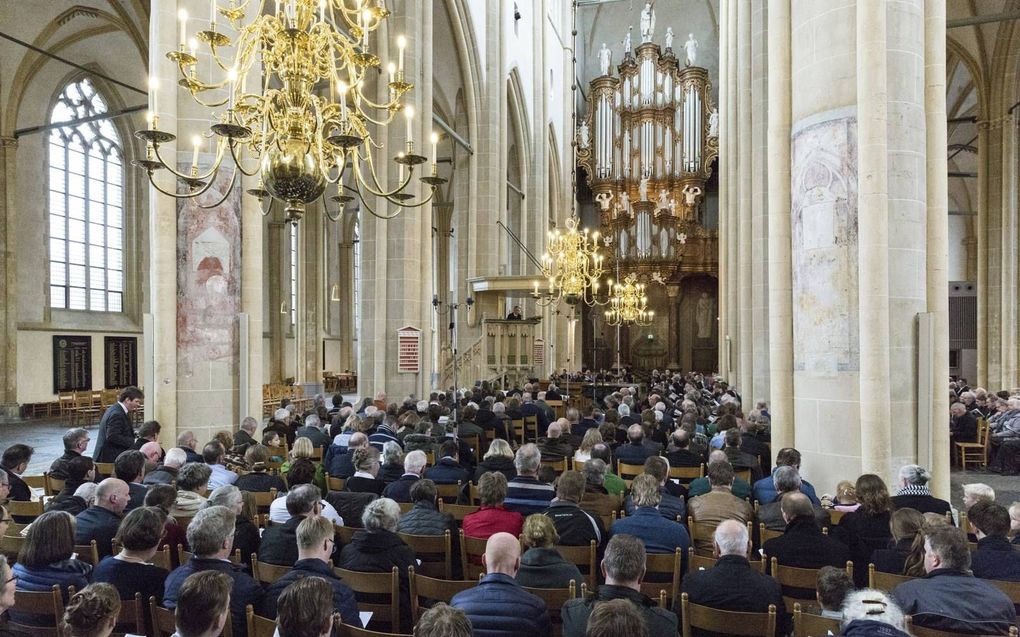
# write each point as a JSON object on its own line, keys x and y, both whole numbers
{"x": 500, "y": 607}
{"x": 955, "y": 601}
{"x": 99, "y": 524}
{"x": 764, "y": 490}
{"x": 245, "y": 590}
{"x": 527, "y": 495}
{"x": 70, "y": 572}
{"x": 870, "y": 628}
{"x": 400, "y": 490}
{"x": 447, "y": 471}
{"x": 343, "y": 596}
{"x": 995, "y": 558}
{"x": 669, "y": 507}
{"x": 659, "y": 534}
{"x": 337, "y": 462}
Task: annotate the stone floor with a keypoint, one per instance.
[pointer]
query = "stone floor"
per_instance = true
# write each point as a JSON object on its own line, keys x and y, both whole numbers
{"x": 44, "y": 436}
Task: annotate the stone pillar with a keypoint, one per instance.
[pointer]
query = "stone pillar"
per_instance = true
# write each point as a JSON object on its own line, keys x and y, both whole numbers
{"x": 252, "y": 279}
{"x": 276, "y": 232}
{"x": 983, "y": 297}
{"x": 744, "y": 213}
{"x": 9, "y": 263}
{"x": 724, "y": 191}
{"x": 760, "y": 161}
{"x": 310, "y": 298}
{"x": 673, "y": 292}
{"x": 780, "y": 274}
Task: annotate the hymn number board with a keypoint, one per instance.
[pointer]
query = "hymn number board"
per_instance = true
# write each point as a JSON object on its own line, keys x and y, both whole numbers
{"x": 121, "y": 361}
{"x": 72, "y": 363}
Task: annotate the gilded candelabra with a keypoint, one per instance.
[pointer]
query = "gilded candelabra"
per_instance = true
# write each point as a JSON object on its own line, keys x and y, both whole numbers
{"x": 309, "y": 120}
{"x": 628, "y": 303}
{"x": 572, "y": 265}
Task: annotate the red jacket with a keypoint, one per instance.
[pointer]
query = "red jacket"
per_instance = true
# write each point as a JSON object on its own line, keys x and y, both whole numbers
{"x": 489, "y": 520}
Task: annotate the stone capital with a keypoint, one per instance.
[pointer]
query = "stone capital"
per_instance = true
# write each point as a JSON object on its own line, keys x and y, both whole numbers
{"x": 8, "y": 142}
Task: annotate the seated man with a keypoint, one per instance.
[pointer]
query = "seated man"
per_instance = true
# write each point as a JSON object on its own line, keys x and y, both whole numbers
{"x": 575, "y": 526}
{"x": 130, "y": 467}
{"x": 76, "y": 441}
{"x": 245, "y": 436}
{"x": 674, "y": 496}
{"x": 831, "y": 589}
{"x": 15, "y": 461}
{"x": 312, "y": 430}
{"x": 732, "y": 584}
{"x": 167, "y": 472}
{"x": 188, "y": 442}
{"x": 787, "y": 482}
{"x": 741, "y": 488}
{"x": 659, "y": 534}
{"x": 624, "y": 568}
{"x": 949, "y": 598}
{"x": 448, "y": 469}
{"x": 914, "y": 493}
{"x": 211, "y": 538}
{"x": 498, "y": 604}
{"x": 279, "y": 545}
{"x": 414, "y": 465}
{"x": 100, "y": 521}
{"x": 526, "y": 494}
{"x": 803, "y": 545}
{"x": 635, "y": 451}
{"x": 995, "y": 557}
{"x": 612, "y": 483}
{"x": 765, "y": 489}
{"x": 679, "y": 451}
{"x": 153, "y": 453}
{"x": 304, "y": 609}
{"x": 213, "y": 454}
{"x": 315, "y": 544}
{"x": 719, "y": 504}
{"x": 443, "y": 621}
{"x": 204, "y": 604}
{"x": 739, "y": 458}
{"x": 554, "y": 445}
{"x": 338, "y": 460}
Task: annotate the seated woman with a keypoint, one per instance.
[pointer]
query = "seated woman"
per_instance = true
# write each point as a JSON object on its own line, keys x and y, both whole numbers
{"x": 47, "y": 558}
{"x": 131, "y": 570}
{"x": 913, "y": 565}
{"x": 492, "y": 517}
{"x": 499, "y": 457}
{"x": 377, "y": 549}
{"x": 303, "y": 449}
{"x": 366, "y": 468}
{"x": 92, "y": 612}
{"x": 301, "y": 472}
{"x": 591, "y": 438}
{"x": 392, "y": 462}
{"x": 904, "y": 524}
{"x": 79, "y": 470}
{"x": 163, "y": 496}
{"x": 866, "y": 529}
{"x": 259, "y": 480}
{"x": 541, "y": 565}
{"x": 192, "y": 485}
{"x": 246, "y": 532}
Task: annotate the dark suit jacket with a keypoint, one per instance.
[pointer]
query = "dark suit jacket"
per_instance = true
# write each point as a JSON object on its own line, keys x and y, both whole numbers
{"x": 922, "y": 503}
{"x": 115, "y": 434}
{"x": 99, "y": 524}
{"x": 316, "y": 435}
{"x": 137, "y": 493}
{"x": 733, "y": 585}
{"x": 631, "y": 453}
{"x": 400, "y": 490}
{"x": 804, "y": 546}
{"x": 279, "y": 543}
{"x": 684, "y": 458}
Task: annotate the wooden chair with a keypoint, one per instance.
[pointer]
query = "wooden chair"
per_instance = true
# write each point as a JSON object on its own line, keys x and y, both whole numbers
{"x": 53, "y": 485}
{"x": 558, "y": 464}
{"x": 161, "y": 559}
{"x": 258, "y": 626}
{"x": 87, "y": 552}
{"x": 629, "y": 471}
{"x": 344, "y": 630}
{"x": 36, "y": 482}
{"x": 458, "y": 511}
{"x": 317, "y": 454}
{"x": 974, "y": 452}
{"x": 335, "y": 484}
{"x": 518, "y": 430}
{"x": 264, "y": 499}
{"x": 132, "y": 616}
{"x": 430, "y": 458}
{"x": 430, "y": 588}
{"x": 163, "y": 622}
{"x": 475, "y": 444}
{"x": 685, "y": 475}
{"x": 554, "y": 599}
{"x": 918, "y": 631}
{"x": 963, "y": 526}
{"x": 743, "y": 473}
{"x": 10, "y": 545}
{"x": 104, "y": 469}
{"x": 531, "y": 425}
{"x": 48, "y": 606}
{"x": 723, "y": 621}
{"x": 449, "y": 492}
{"x": 375, "y": 585}
{"x": 885, "y": 581}
{"x": 345, "y": 533}
{"x": 697, "y": 562}
{"x": 24, "y": 509}
{"x": 265, "y": 572}
{"x": 835, "y": 516}
{"x": 471, "y": 548}
{"x": 183, "y": 521}
{"x": 702, "y": 531}
{"x": 767, "y": 534}
{"x": 435, "y": 553}
{"x": 665, "y": 564}
{"x": 808, "y": 625}
{"x": 584, "y": 557}
{"x": 806, "y": 578}
{"x": 1011, "y": 589}
{"x": 473, "y": 493}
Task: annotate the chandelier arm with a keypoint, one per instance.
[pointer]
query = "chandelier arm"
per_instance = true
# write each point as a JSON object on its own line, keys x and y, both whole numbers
{"x": 325, "y": 208}
{"x": 237, "y": 162}
{"x": 189, "y": 195}
{"x": 372, "y": 211}
{"x": 266, "y": 211}
{"x": 208, "y": 175}
{"x": 417, "y": 204}
{"x": 226, "y": 193}
{"x": 380, "y": 192}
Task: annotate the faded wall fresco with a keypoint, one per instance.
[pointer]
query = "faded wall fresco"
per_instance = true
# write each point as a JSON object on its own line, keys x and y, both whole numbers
{"x": 824, "y": 200}
{"x": 208, "y": 277}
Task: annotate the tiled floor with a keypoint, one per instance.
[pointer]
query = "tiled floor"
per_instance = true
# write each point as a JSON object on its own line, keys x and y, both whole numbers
{"x": 44, "y": 436}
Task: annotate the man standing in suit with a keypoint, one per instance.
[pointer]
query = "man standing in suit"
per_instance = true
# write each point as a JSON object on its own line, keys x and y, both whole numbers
{"x": 115, "y": 431}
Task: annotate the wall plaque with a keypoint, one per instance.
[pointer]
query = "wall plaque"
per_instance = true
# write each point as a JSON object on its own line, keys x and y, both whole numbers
{"x": 408, "y": 350}
{"x": 72, "y": 363}
{"x": 120, "y": 355}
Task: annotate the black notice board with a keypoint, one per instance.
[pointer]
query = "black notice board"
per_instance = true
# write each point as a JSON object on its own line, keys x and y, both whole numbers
{"x": 121, "y": 361}
{"x": 72, "y": 363}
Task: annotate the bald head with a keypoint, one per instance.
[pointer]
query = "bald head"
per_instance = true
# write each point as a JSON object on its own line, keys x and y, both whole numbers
{"x": 795, "y": 505}
{"x": 113, "y": 494}
{"x": 502, "y": 554}
{"x": 357, "y": 440}
{"x": 152, "y": 452}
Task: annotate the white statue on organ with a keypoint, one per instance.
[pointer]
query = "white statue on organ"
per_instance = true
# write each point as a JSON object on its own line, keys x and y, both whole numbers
{"x": 603, "y": 199}
{"x": 691, "y": 194}
{"x": 583, "y": 135}
{"x": 624, "y": 202}
{"x": 691, "y": 46}
{"x": 663, "y": 201}
{"x": 643, "y": 189}
{"x": 647, "y": 22}
{"x": 669, "y": 38}
{"x": 713, "y": 123}
{"x": 626, "y": 42}
{"x": 605, "y": 59}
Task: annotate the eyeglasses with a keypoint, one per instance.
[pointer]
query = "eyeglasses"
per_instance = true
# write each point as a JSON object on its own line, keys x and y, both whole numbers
{"x": 6, "y": 520}
{"x": 12, "y": 578}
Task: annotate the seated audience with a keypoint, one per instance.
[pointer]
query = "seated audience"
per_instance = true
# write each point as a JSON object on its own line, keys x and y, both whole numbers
{"x": 542, "y": 566}
{"x": 192, "y": 486}
{"x": 273, "y": 441}
{"x": 377, "y": 549}
{"x": 303, "y": 472}
{"x": 831, "y": 589}
{"x": 92, "y": 612}
{"x": 313, "y": 431}
{"x": 443, "y": 621}
{"x": 659, "y": 534}
{"x": 526, "y": 494}
{"x": 366, "y": 465}
{"x": 414, "y": 466}
{"x": 720, "y": 503}
{"x": 338, "y": 460}
{"x": 591, "y": 438}
{"x": 867, "y": 529}
{"x": 914, "y": 493}
{"x": 732, "y": 584}
{"x": 448, "y": 469}
{"x": 315, "y": 542}
{"x": 700, "y": 486}
{"x": 802, "y": 545}
{"x": 846, "y": 497}
{"x": 616, "y": 618}
{"x": 905, "y": 525}
{"x": 187, "y": 442}
{"x": 204, "y": 604}
{"x": 913, "y": 565}
{"x": 995, "y": 557}
{"x": 211, "y": 538}
{"x": 574, "y": 525}
{"x": 672, "y": 505}
{"x": 47, "y": 558}
{"x": 167, "y": 472}
{"x": 635, "y": 451}
{"x": 213, "y": 454}
{"x": 679, "y": 453}
{"x": 79, "y": 471}
{"x": 554, "y": 444}
{"x": 258, "y": 479}
{"x": 624, "y": 569}
{"x": 498, "y": 605}
{"x": 949, "y": 598}
{"x": 153, "y": 453}
{"x": 613, "y": 483}
{"x": 15, "y": 461}
{"x": 595, "y": 477}
{"x": 101, "y": 521}
{"x": 764, "y": 490}
{"x": 244, "y": 439}
{"x": 279, "y": 545}
{"x": 246, "y": 532}
{"x": 148, "y": 432}
{"x": 303, "y": 449}
{"x": 303, "y": 609}
{"x": 787, "y": 482}
{"x": 425, "y": 518}
{"x": 872, "y": 613}
{"x": 163, "y": 496}
{"x": 383, "y": 433}
{"x": 975, "y": 492}
{"x": 962, "y": 424}
{"x": 492, "y": 517}
{"x": 499, "y": 457}
{"x": 130, "y": 467}
{"x": 76, "y": 441}
{"x": 739, "y": 458}
{"x": 130, "y": 570}
{"x": 392, "y": 462}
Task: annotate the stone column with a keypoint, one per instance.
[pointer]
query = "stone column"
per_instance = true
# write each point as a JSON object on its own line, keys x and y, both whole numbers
{"x": 252, "y": 302}
{"x": 673, "y": 293}
{"x": 780, "y": 273}
{"x": 760, "y": 161}
{"x": 744, "y": 213}
{"x": 9, "y": 263}
{"x": 310, "y": 296}
{"x": 724, "y": 190}
{"x": 276, "y": 231}
{"x": 983, "y": 340}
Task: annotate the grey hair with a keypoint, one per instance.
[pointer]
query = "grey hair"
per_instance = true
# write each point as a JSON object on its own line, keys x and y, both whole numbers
{"x": 915, "y": 474}
{"x": 302, "y": 499}
{"x": 312, "y": 420}
{"x": 786, "y": 479}
{"x": 87, "y": 492}
{"x": 499, "y": 408}
{"x": 249, "y": 424}
{"x": 209, "y": 529}
{"x": 415, "y": 461}
{"x": 595, "y": 471}
{"x": 228, "y": 496}
{"x": 528, "y": 459}
{"x": 625, "y": 558}
{"x": 623, "y": 409}
{"x": 175, "y": 457}
{"x": 381, "y": 514}
{"x": 72, "y": 436}
{"x": 731, "y": 538}
{"x": 193, "y": 475}
{"x": 391, "y": 452}
{"x": 873, "y": 605}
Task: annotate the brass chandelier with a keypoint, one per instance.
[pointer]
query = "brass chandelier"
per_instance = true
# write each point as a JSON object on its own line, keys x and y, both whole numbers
{"x": 309, "y": 120}
{"x": 628, "y": 303}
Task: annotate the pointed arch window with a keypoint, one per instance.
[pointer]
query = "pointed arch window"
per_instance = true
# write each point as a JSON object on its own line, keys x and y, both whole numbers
{"x": 86, "y": 205}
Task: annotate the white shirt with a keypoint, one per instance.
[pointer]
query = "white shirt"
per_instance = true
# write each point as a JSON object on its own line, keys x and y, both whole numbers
{"x": 278, "y": 511}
